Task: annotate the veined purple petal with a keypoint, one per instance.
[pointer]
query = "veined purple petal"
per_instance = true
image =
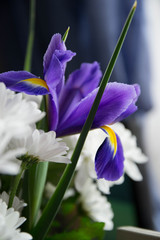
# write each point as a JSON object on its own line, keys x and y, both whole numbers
{"x": 58, "y": 48}
{"x": 79, "y": 84}
{"x": 108, "y": 162}
{"x": 22, "y": 81}
{"x": 118, "y": 101}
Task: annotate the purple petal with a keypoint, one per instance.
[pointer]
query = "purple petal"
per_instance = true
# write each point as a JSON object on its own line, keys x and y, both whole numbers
{"x": 64, "y": 56}
{"x": 22, "y": 81}
{"x": 55, "y": 44}
{"x": 132, "y": 107}
{"x": 118, "y": 101}
{"x": 109, "y": 165}
{"x": 58, "y": 48}
{"x": 79, "y": 84}
{"x": 54, "y": 73}
{"x": 53, "y": 110}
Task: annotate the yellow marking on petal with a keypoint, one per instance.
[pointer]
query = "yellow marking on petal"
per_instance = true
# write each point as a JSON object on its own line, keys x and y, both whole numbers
{"x": 37, "y": 81}
{"x": 112, "y": 136}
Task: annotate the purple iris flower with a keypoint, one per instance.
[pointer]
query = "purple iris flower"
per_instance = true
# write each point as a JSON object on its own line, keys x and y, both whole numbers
{"x": 70, "y": 102}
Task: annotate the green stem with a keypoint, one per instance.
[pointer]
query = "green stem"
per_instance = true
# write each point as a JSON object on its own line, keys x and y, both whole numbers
{"x": 16, "y": 183}
{"x": 28, "y": 58}
{"x": 51, "y": 209}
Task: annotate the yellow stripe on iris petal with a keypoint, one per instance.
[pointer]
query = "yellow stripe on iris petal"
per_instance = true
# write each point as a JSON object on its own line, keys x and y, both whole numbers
{"x": 37, "y": 81}
{"x": 112, "y": 136}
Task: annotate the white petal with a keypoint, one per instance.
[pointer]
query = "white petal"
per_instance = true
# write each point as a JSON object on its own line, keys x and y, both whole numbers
{"x": 103, "y": 186}
{"x": 9, "y": 222}
{"x": 132, "y": 171}
{"x": 12, "y": 219}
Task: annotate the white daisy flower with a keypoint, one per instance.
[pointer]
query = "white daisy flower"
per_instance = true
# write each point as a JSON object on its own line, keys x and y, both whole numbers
{"x": 16, "y": 114}
{"x": 95, "y": 205}
{"x": 10, "y": 221}
{"x": 44, "y": 146}
{"x": 16, "y": 117}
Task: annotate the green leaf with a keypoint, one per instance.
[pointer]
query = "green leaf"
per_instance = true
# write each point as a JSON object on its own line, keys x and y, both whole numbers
{"x": 54, "y": 203}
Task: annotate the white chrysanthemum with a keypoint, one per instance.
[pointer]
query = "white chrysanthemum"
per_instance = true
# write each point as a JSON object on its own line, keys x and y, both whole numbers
{"x": 17, "y": 204}
{"x": 10, "y": 221}
{"x": 45, "y": 146}
{"x": 16, "y": 117}
{"x": 95, "y": 205}
{"x": 132, "y": 155}
{"x": 16, "y": 114}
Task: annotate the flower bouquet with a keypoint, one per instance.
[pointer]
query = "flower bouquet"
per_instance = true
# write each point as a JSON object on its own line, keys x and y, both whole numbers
{"x": 48, "y": 119}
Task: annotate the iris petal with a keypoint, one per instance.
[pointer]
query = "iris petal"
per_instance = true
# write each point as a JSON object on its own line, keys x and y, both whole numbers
{"x": 118, "y": 101}
{"x": 22, "y": 81}
{"x": 109, "y": 160}
{"x": 57, "y": 47}
{"x": 55, "y": 44}
{"x": 35, "y": 86}
{"x": 54, "y": 110}
{"x": 112, "y": 136}
{"x": 54, "y": 73}
{"x": 79, "y": 84}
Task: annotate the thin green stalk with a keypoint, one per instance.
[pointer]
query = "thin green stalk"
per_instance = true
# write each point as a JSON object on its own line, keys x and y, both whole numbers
{"x": 28, "y": 58}
{"x": 51, "y": 209}
{"x": 16, "y": 183}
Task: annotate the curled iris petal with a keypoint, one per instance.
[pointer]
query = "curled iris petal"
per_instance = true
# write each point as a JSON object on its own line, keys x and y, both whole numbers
{"x": 109, "y": 157}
